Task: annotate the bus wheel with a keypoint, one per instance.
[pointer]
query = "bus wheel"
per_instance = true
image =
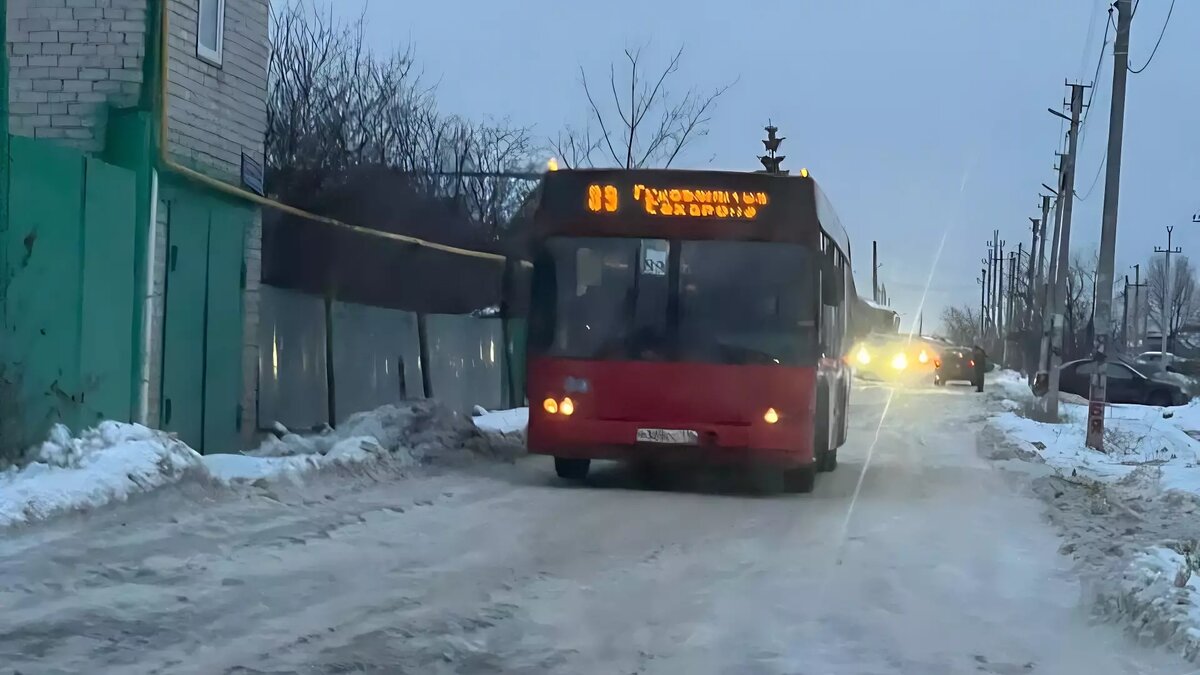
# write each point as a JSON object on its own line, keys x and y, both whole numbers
{"x": 820, "y": 444}
{"x": 571, "y": 469}
{"x": 800, "y": 480}
{"x": 830, "y": 461}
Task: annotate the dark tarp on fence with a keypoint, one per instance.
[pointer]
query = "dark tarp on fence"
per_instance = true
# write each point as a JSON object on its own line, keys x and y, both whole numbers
{"x": 321, "y": 259}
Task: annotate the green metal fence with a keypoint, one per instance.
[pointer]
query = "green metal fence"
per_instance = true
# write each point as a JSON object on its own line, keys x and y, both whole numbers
{"x": 202, "y": 326}
{"x": 68, "y": 341}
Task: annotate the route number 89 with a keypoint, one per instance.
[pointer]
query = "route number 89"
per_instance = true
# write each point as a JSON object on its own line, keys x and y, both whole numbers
{"x": 602, "y": 198}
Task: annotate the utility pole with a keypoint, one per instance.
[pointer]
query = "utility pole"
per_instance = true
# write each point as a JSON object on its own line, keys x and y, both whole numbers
{"x": 1000, "y": 295}
{"x": 1125, "y": 316}
{"x": 1032, "y": 271}
{"x": 1168, "y": 301}
{"x": 987, "y": 296}
{"x": 875, "y": 271}
{"x": 1067, "y": 200}
{"x": 1010, "y": 305}
{"x": 983, "y": 282}
{"x": 1016, "y": 295}
{"x": 1046, "y": 303}
{"x": 1041, "y": 249}
{"x": 996, "y": 291}
{"x": 1102, "y": 315}
{"x": 1137, "y": 293}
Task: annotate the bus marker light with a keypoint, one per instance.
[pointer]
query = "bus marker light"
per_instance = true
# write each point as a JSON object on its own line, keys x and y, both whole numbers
{"x": 550, "y": 406}
{"x": 567, "y": 407}
{"x": 771, "y": 417}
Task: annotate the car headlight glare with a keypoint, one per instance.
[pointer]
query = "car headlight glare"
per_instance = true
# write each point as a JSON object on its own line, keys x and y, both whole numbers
{"x": 900, "y": 361}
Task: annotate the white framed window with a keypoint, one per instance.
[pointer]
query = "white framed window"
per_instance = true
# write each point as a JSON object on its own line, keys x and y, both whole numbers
{"x": 210, "y": 30}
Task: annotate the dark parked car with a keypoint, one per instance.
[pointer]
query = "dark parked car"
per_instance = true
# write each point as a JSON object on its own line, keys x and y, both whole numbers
{"x": 1126, "y": 384}
{"x": 954, "y": 363}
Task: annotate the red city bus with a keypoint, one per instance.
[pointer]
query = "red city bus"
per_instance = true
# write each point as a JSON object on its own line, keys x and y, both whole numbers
{"x": 688, "y": 315}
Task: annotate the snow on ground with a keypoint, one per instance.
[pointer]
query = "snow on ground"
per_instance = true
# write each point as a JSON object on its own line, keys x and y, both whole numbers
{"x": 503, "y": 421}
{"x": 1161, "y": 591}
{"x": 115, "y": 460}
{"x": 107, "y": 463}
{"x": 1134, "y": 436}
{"x": 922, "y": 561}
{"x": 1131, "y": 514}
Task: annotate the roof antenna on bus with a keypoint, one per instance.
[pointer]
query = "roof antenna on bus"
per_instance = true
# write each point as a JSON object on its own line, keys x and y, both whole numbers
{"x": 771, "y": 161}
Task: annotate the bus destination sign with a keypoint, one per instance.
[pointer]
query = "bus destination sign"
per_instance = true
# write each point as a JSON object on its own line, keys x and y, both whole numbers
{"x": 679, "y": 201}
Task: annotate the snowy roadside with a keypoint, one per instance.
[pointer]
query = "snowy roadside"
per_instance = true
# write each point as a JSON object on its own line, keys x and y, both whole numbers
{"x": 115, "y": 461}
{"x": 1130, "y": 516}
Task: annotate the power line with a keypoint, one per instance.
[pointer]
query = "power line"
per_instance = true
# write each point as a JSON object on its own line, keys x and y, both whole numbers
{"x": 1099, "y": 62}
{"x": 1091, "y": 33}
{"x": 1091, "y": 97}
{"x": 1095, "y": 179}
{"x": 1157, "y": 43}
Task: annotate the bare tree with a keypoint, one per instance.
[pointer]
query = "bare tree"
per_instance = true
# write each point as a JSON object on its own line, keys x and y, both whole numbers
{"x": 574, "y": 147}
{"x": 1079, "y": 304}
{"x": 1184, "y": 306}
{"x": 961, "y": 325}
{"x": 497, "y": 149}
{"x": 333, "y": 105}
{"x": 641, "y": 124}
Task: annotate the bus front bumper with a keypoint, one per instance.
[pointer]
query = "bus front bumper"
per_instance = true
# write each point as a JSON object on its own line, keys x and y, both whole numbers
{"x": 783, "y": 445}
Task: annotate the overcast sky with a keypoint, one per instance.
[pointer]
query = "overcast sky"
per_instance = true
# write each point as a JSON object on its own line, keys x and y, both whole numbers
{"x": 920, "y": 119}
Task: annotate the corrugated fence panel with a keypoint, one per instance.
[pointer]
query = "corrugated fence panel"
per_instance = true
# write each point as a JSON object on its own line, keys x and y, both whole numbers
{"x": 223, "y": 343}
{"x": 68, "y": 343}
{"x": 183, "y": 319}
{"x": 376, "y": 357}
{"x": 106, "y": 346}
{"x": 45, "y": 246}
{"x": 466, "y": 357}
{"x": 517, "y": 336}
{"x": 291, "y": 364}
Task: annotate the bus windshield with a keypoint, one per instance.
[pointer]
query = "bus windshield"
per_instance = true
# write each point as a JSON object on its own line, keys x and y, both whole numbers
{"x": 711, "y": 301}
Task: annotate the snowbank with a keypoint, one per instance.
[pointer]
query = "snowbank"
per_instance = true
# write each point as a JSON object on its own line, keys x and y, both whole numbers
{"x": 1159, "y": 594}
{"x": 1009, "y": 385}
{"x": 503, "y": 421}
{"x": 1140, "y": 499}
{"x": 1134, "y": 436}
{"x": 105, "y": 464}
{"x": 115, "y": 460}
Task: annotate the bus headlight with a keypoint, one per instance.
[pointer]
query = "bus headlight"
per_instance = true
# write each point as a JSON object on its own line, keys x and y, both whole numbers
{"x": 900, "y": 361}
{"x": 550, "y": 406}
{"x": 567, "y": 407}
{"x": 923, "y": 357}
{"x": 770, "y": 417}
{"x": 863, "y": 356}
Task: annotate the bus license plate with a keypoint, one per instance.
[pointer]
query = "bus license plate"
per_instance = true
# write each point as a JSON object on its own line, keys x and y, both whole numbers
{"x": 670, "y": 436}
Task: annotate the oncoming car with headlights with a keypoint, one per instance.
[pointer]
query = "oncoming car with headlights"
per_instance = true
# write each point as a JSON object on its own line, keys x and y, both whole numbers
{"x": 895, "y": 357}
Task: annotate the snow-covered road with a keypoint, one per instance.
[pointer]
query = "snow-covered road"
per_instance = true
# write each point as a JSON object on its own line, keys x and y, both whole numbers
{"x": 944, "y": 566}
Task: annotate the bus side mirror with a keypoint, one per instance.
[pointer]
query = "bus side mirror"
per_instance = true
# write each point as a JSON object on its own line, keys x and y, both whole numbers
{"x": 832, "y": 291}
